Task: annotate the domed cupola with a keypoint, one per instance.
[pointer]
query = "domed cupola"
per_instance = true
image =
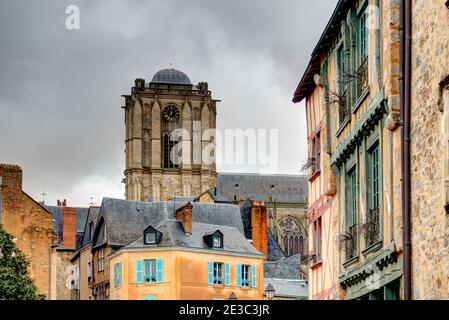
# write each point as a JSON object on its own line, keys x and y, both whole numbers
{"x": 171, "y": 76}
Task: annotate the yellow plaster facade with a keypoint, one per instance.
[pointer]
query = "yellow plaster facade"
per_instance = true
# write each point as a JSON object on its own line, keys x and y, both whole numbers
{"x": 185, "y": 276}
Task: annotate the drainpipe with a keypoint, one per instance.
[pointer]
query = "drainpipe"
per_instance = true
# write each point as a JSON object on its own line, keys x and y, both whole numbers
{"x": 405, "y": 102}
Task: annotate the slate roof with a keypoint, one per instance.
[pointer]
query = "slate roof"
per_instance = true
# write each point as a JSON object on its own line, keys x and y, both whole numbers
{"x": 125, "y": 220}
{"x": 92, "y": 216}
{"x": 81, "y": 216}
{"x": 57, "y": 214}
{"x": 173, "y": 235}
{"x": 288, "y": 288}
{"x": 275, "y": 252}
{"x": 307, "y": 84}
{"x": 286, "y": 268}
{"x": 57, "y": 220}
{"x": 287, "y": 188}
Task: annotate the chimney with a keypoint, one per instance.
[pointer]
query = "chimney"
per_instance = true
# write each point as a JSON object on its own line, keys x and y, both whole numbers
{"x": 68, "y": 228}
{"x": 10, "y": 187}
{"x": 259, "y": 225}
{"x": 184, "y": 214}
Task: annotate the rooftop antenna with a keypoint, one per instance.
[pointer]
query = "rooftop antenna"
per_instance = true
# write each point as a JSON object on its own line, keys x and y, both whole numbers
{"x": 43, "y": 194}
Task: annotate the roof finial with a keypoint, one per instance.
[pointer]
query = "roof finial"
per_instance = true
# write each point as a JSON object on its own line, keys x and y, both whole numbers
{"x": 171, "y": 65}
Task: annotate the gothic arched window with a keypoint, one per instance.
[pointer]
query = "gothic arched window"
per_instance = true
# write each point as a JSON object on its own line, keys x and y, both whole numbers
{"x": 293, "y": 237}
{"x": 170, "y": 124}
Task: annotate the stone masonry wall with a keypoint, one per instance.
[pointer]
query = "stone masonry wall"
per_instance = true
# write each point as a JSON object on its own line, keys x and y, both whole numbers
{"x": 30, "y": 224}
{"x": 430, "y": 223}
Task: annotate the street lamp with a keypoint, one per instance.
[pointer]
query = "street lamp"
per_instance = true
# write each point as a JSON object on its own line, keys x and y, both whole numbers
{"x": 269, "y": 292}
{"x": 236, "y": 192}
{"x": 232, "y": 296}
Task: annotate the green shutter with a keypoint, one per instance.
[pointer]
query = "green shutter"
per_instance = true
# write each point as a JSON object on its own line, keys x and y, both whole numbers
{"x": 210, "y": 273}
{"x": 238, "y": 276}
{"x": 115, "y": 275}
{"x": 254, "y": 276}
{"x": 119, "y": 280}
{"x": 159, "y": 271}
{"x": 149, "y": 298}
{"x": 227, "y": 274}
{"x": 139, "y": 271}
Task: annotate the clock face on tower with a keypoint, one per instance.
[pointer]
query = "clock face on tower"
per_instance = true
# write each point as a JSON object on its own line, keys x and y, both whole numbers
{"x": 171, "y": 113}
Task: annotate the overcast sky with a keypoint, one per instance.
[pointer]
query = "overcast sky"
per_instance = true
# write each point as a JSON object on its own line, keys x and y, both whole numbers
{"x": 60, "y": 90}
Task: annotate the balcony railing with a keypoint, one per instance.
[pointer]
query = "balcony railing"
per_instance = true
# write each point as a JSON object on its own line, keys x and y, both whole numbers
{"x": 351, "y": 242}
{"x": 343, "y": 107}
{"x": 372, "y": 227}
{"x": 362, "y": 78}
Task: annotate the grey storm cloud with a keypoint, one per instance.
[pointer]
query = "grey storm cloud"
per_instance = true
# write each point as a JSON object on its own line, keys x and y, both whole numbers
{"x": 60, "y": 90}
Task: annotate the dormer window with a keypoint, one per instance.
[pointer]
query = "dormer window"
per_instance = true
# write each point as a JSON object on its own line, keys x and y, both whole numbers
{"x": 151, "y": 236}
{"x": 214, "y": 239}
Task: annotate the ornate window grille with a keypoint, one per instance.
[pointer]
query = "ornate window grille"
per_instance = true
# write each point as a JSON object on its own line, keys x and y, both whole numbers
{"x": 351, "y": 242}
{"x": 343, "y": 107}
{"x": 372, "y": 226}
{"x": 362, "y": 78}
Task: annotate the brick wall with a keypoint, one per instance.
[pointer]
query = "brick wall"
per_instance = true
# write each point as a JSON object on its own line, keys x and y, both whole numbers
{"x": 69, "y": 228}
{"x": 259, "y": 223}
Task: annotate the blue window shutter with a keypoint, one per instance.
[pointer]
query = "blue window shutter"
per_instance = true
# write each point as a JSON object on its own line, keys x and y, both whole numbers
{"x": 238, "y": 276}
{"x": 254, "y": 276}
{"x": 160, "y": 271}
{"x": 119, "y": 274}
{"x": 149, "y": 298}
{"x": 210, "y": 272}
{"x": 227, "y": 274}
{"x": 115, "y": 275}
{"x": 139, "y": 271}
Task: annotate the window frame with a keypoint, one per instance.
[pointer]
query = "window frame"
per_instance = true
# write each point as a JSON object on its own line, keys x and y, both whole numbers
{"x": 363, "y": 34}
{"x": 220, "y": 240}
{"x": 152, "y": 277}
{"x": 373, "y": 144}
{"x": 152, "y": 232}
{"x": 351, "y": 217}
{"x": 317, "y": 239}
{"x": 101, "y": 258}
{"x": 218, "y": 273}
{"x": 246, "y": 276}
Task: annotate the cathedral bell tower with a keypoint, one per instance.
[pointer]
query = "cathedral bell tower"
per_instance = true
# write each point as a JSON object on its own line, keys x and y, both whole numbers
{"x": 170, "y": 138}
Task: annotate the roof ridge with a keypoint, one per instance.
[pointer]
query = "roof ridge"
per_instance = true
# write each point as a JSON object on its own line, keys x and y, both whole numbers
{"x": 263, "y": 174}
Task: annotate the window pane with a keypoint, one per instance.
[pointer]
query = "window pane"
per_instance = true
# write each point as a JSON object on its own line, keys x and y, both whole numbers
{"x": 218, "y": 273}
{"x": 217, "y": 241}
{"x": 149, "y": 270}
{"x": 150, "y": 237}
{"x": 245, "y": 276}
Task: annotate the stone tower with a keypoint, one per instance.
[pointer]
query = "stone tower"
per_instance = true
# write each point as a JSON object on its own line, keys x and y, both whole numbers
{"x": 170, "y": 138}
